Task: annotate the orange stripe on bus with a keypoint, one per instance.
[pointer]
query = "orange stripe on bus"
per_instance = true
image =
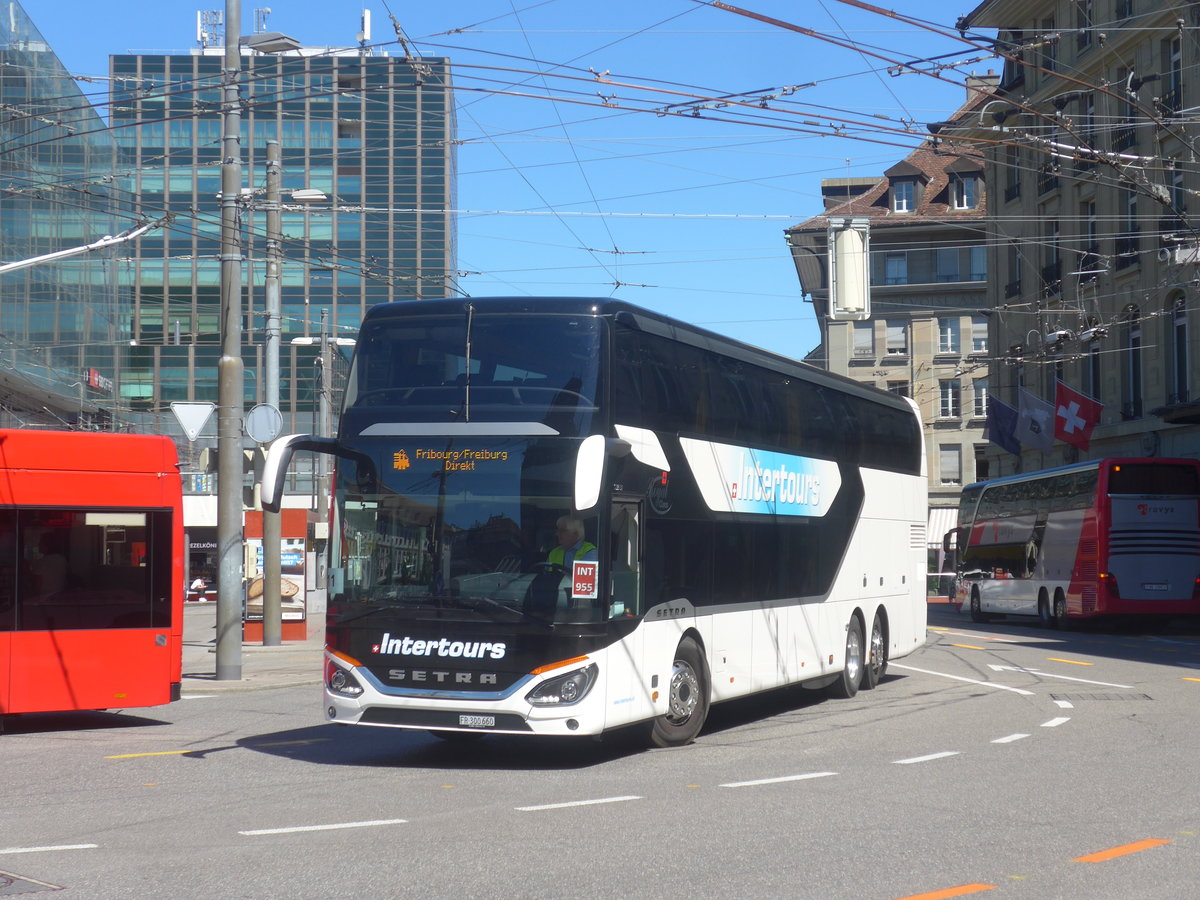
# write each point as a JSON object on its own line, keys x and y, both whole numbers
{"x": 1123, "y": 850}
{"x": 961, "y": 891}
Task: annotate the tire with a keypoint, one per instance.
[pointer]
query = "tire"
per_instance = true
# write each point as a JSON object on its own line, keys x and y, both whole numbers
{"x": 687, "y": 699}
{"x": 1045, "y": 613}
{"x": 977, "y": 613}
{"x": 1061, "y": 620}
{"x": 877, "y": 662}
{"x": 852, "y": 673}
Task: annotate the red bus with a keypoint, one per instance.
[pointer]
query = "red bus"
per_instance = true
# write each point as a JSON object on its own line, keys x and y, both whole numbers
{"x": 91, "y": 571}
{"x": 1109, "y": 537}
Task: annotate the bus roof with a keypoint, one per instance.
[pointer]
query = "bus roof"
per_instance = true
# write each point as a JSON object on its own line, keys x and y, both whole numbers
{"x": 644, "y": 320}
{"x": 1084, "y": 466}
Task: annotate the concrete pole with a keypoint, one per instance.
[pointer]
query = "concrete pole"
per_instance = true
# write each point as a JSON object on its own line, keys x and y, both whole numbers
{"x": 325, "y": 407}
{"x": 272, "y": 533}
{"x": 230, "y": 373}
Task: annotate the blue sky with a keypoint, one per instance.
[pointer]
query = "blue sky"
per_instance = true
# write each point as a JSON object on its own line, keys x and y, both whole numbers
{"x": 578, "y": 175}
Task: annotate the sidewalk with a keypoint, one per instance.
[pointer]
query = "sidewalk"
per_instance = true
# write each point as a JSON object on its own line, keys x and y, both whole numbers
{"x": 291, "y": 664}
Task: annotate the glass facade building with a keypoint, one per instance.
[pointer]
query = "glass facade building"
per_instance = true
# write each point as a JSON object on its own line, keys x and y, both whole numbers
{"x": 372, "y": 137}
{"x": 65, "y": 324}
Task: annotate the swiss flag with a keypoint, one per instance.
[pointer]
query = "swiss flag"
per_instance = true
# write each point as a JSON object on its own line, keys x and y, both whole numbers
{"x": 1075, "y": 415}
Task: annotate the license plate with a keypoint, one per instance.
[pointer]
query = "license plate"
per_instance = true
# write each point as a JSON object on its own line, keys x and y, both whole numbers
{"x": 477, "y": 721}
{"x": 1157, "y": 586}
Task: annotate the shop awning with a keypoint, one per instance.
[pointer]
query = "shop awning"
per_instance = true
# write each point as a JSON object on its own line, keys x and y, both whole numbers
{"x": 941, "y": 520}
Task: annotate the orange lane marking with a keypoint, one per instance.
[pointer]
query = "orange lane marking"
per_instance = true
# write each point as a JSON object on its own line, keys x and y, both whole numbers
{"x": 967, "y": 646}
{"x": 1123, "y": 850}
{"x": 1185, "y": 678}
{"x": 1073, "y": 662}
{"x": 961, "y": 891}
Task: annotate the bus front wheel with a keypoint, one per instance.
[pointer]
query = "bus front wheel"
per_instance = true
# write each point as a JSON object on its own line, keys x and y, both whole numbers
{"x": 687, "y": 699}
{"x": 852, "y": 672}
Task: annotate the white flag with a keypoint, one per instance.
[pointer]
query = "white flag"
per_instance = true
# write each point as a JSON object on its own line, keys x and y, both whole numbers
{"x": 1035, "y": 423}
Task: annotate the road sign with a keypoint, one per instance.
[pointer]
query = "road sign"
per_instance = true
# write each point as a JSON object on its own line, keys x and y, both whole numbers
{"x": 192, "y": 417}
{"x": 263, "y": 423}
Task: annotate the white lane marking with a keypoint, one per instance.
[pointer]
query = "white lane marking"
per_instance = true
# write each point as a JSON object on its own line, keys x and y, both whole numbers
{"x": 737, "y": 784}
{"x": 921, "y": 759}
{"x": 576, "y": 803}
{"x": 1010, "y": 738}
{"x": 1064, "y": 704}
{"x": 980, "y": 637}
{"x": 196, "y": 696}
{"x": 333, "y": 827}
{"x": 49, "y": 849}
{"x": 1042, "y": 674}
{"x": 1054, "y": 723}
{"x": 988, "y": 684}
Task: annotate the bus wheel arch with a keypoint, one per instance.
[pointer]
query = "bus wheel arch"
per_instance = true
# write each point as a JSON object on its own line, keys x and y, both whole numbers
{"x": 877, "y": 651}
{"x": 851, "y": 676}
{"x": 688, "y": 695}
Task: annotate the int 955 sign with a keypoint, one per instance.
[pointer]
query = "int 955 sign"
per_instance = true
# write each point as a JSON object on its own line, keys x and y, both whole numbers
{"x": 584, "y": 582}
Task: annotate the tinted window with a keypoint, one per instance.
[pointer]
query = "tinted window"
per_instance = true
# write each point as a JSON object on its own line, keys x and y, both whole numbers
{"x": 79, "y": 569}
{"x": 512, "y": 368}
{"x": 1134, "y": 478}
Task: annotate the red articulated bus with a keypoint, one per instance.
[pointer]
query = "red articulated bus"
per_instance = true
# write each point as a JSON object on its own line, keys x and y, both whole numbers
{"x": 1109, "y": 537}
{"x": 91, "y": 571}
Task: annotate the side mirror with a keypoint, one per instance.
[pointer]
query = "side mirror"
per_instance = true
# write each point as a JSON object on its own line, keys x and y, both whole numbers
{"x": 279, "y": 458}
{"x": 590, "y": 467}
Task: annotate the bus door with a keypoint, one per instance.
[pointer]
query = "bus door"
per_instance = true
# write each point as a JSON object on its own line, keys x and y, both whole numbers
{"x": 626, "y": 670}
{"x": 625, "y": 569}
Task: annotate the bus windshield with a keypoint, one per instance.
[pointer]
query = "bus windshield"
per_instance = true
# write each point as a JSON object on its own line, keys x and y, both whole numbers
{"x": 462, "y": 523}
{"x": 468, "y": 367}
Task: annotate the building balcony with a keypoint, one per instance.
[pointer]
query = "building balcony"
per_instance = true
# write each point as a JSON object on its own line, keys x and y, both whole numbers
{"x": 1128, "y": 249}
{"x": 1047, "y": 180}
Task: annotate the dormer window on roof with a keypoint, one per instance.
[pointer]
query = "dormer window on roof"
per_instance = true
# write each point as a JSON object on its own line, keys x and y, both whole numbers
{"x": 905, "y": 184}
{"x": 964, "y": 191}
{"x": 964, "y": 183}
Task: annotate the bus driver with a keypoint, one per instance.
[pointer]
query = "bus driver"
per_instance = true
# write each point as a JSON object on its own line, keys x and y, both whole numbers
{"x": 568, "y": 531}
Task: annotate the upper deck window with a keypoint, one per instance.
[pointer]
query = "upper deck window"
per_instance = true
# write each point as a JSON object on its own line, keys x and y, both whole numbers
{"x": 541, "y": 368}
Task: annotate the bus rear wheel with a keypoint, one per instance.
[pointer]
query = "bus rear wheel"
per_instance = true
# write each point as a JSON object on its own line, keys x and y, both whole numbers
{"x": 1045, "y": 613}
{"x": 877, "y": 663}
{"x": 852, "y": 672}
{"x": 687, "y": 699}
{"x": 977, "y": 613}
{"x": 1061, "y": 620}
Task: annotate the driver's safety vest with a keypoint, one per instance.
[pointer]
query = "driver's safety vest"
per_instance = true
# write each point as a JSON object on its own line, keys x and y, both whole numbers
{"x": 558, "y": 555}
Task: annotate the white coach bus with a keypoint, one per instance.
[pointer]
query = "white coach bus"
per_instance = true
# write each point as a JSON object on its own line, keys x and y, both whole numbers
{"x": 562, "y": 516}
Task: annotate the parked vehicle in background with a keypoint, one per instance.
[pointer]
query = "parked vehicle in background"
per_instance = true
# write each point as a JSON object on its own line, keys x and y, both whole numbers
{"x": 1108, "y": 537}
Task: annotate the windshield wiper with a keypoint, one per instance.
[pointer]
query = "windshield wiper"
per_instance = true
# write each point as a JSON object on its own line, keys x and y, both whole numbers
{"x": 479, "y": 604}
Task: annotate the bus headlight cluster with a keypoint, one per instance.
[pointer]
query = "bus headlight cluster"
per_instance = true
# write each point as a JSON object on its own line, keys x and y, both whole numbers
{"x": 342, "y": 682}
{"x": 565, "y": 689}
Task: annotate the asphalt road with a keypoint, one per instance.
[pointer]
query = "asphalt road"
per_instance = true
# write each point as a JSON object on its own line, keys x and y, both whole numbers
{"x": 1002, "y": 759}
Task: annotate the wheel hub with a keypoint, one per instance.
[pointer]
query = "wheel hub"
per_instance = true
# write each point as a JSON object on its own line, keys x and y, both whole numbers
{"x": 684, "y": 694}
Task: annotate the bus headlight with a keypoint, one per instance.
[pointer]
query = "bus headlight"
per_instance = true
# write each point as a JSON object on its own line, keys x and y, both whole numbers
{"x": 342, "y": 682}
{"x": 565, "y": 689}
